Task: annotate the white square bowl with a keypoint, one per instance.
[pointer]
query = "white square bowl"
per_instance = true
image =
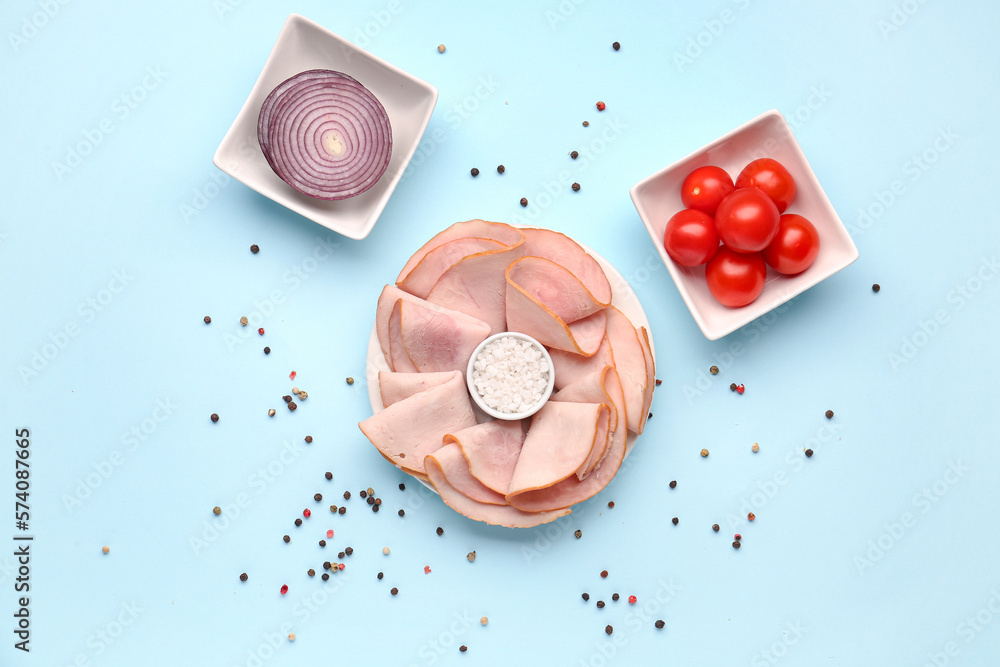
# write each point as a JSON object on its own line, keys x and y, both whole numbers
{"x": 303, "y": 45}
{"x": 658, "y": 197}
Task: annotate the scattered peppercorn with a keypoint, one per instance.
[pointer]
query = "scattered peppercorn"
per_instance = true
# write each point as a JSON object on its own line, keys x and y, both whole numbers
{"x": 715, "y": 527}
{"x": 311, "y": 572}
{"x": 736, "y": 544}
{"x": 440, "y": 530}
{"x": 341, "y": 555}
{"x": 271, "y": 412}
{"x": 732, "y": 386}
{"x": 370, "y": 500}
{"x": 378, "y": 501}
{"x": 474, "y": 172}
{"x": 292, "y": 406}
{"x": 600, "y": 604}
{"x": 524, "y": 201}
{"x": 216, "y": 510}
{"x": 363, "y": 493}
{"x": 484, "y": 620}
{"x": 326, "y": 576}
{"x": 615, "y": 597}
{"x": 601, "y": 106}
{"x": 402, "y": 487}
{"x": 659, "y": 382}
{"x": 616, "y": 46}
{"x": 318, "y": 497}
{"x": 350, "y": 380}
{"x": 659, "y": 625}
{"x": 751, "y": 516}
{"x": 471, "y": 556}
{"x": 876, "y": 287}
{"x": 307, "y": 513}
{"x": 675, "y": 521}
{"x": 608, "y": 629}
{"x": 284, "y": 588}
{"x": 604, "y": 574}
{"x": 214, "y": 417}
{"x": 809, "y": 453}
{"x": 286, "y": 398}
{"x": 260, "y": 331}
{"x": 463, "y": 648}
{"x": 394, "y": 590}
{"x": 286, "y": 538}
{"x": 611, "y": 504}
{"x": 348, "y": 551}
{"x": 244, "y": 321}
{"x": 328, "y": 475}
{"x": 401, "y": 513}
{"x": 244, "y": 577}
{"x": 105, "y": 550}
{"x": 574, "y": 155}
{"x": 267, "y": 350}
{"x": 714, "y": 370}
{"x": 255, "y": 248}
{"x": 291, "y": 636}
{"x": 740, "y": 389}
{"x": 208, "y": 320}
{"x": 342, "y": 510}
{"x": 298, "y": 522}
{"x": 576, "y": 187}
{"x": 673, "y": 484}
{"x": 327, "y": 565}
{"x": 322, "y": 543}
{"x": 586, "y": 123}
{"x": 333, "y": 509}
{"x": 755, "y": 448}
{"x": 578, "y": 534}
{"x": 632, "y": 599}
{"x": 829, "y": 414}
{"x": 501, "y": 169}
{"x": 379, "y": 576}
{"x": 385, "y": 551}
{"x": 737, "y": 537}
{"x": 441, "y": 48}
{"x": 370, "y": 491}
{"x": 585, "y": 596}
{"x": 347, "y": 495}
{"x": 704, "y": 453}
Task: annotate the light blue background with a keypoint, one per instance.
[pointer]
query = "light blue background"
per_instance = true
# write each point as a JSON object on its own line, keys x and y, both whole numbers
{"x": 828, "y": 573}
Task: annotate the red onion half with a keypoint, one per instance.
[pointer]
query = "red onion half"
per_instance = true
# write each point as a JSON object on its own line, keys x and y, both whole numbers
{"x": 325, "y": 134}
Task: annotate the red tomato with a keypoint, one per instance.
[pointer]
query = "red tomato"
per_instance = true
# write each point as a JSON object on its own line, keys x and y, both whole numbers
{"x": 705, "y": 187}
{"x": 747, "y": 220}
{"x": 771, "y": 177}
{"x": 795, "y": 247}
{"x": 690, "y": 238}
{"x": 735, "y": 278}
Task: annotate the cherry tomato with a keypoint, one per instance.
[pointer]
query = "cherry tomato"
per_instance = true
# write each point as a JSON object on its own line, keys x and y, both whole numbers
{"x": 747, "y": 220}
{"x": 795, "y": 246}
{"x": 690, "y": 238}
{"x": 705, "y": 187}
{"x": 735, "y": 278}
{"x": 771, "y": 177}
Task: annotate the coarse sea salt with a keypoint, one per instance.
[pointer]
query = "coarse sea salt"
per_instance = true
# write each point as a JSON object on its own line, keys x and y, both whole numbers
{"x": 511, "y": 375}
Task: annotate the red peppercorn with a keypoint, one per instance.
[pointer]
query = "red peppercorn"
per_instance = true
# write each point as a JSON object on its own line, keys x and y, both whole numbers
{"x": 632, "y": 599}
{"x": 306, "y": 513}
{"x": 284, "y": 589}
{"x": 291, "y": 376}
{"x": 261, "y": 331}
{"x": 340, "y": 566}
{"x": 427, "y": 569}
{"x": 737, "y": 536}
{"x": 740, "y": 389}
{"x": 329, "y": 533}
{"x": 601, "y": 106}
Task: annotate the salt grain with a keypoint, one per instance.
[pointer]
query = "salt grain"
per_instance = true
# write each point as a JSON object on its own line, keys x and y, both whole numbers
{"x": 511, "y": 375}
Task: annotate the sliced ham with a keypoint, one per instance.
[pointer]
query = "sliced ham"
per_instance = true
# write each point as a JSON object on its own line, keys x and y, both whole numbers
{"x": 571, "y": 490}
{"x": 417, "y": 335}
{"x": 570, "y": 367}
{"x": 407, "y": 431}
{"x": 394, "y": 387}
{"x": 497, "y": 515}
{"x": 591, "y": 389}
{"x": 455, "y": 468}
{"x": 478, "y": 229}
{"x": 568, "y": 253}
{"x": 635, "y": 366}
{"x": 563, "y": 317}
{"x": 558, "y": 444}
{"x": 421, "y": 279}
{"x": 492, "y": 449}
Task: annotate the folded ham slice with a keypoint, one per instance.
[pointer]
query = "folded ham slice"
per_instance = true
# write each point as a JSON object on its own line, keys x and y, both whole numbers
{"x": 497, "y": 515}
{"x": 569, "y": 367}
{"x": 474, "y": 229}
{"x": 592, "y": 389}
{"x": 547, "y": 302}
{"x": 566, "y": 252}
{"x": 394, "y": 387}
{"x": 635, "y": 365}
{"x": 455, "y": 468}
{"x": 492, "y": 449}
{"x": 558, "y": 444}
{"x": 418, "y": 336}
{"x": 429, "y": 270}
{"x": 410, "y": 429}
{"x": 571, "y": 490}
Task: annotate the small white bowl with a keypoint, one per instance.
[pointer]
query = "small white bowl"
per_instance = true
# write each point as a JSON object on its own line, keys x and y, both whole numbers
{"x": 303, "y": 45}
{"x": 658, "y": 197}
{"x": 510, "y": 416}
